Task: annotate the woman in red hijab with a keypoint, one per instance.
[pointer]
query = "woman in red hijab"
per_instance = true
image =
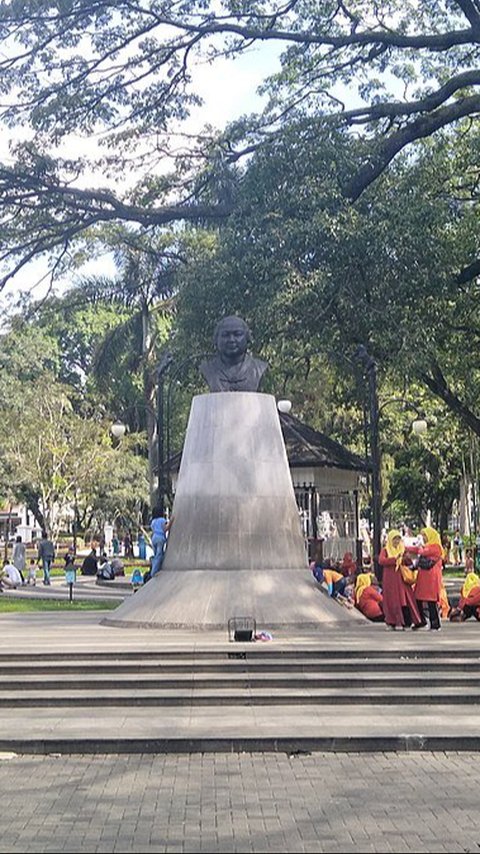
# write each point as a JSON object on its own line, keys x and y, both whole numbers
{"x": 348, "y": 565}
{"x": 399, "y": 604}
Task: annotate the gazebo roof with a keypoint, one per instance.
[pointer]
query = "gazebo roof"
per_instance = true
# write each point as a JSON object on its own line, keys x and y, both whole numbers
{"x": 308, "y": 447}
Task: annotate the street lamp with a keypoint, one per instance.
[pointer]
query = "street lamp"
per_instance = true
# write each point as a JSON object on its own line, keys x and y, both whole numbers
{"x": 118, "y": 430}
{"x": 284, "y": 406}
{"x": 370, "y": 366}
{"x": 419, "y": 427}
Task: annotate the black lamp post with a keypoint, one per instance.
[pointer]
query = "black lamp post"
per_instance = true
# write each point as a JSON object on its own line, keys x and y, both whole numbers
{"x": 370, "y": 366}
{"x": 419, "y": 427}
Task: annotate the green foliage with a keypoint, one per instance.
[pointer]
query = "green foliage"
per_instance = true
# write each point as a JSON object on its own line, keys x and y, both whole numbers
{"x": 15, "y": 605}
{"x": 54, "y": 457}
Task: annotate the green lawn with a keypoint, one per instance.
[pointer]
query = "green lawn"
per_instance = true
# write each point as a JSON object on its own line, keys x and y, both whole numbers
{"x": 8, "y": 606}
{"x": 454, "y": 572}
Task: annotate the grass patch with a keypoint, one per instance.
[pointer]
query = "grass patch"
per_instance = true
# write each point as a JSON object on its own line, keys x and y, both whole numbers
{"x": 9, "y": 606}
{"x": 453, "y": 572}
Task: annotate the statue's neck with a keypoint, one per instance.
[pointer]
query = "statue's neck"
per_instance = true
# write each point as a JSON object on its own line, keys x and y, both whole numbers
{"x": 231, "y": 361}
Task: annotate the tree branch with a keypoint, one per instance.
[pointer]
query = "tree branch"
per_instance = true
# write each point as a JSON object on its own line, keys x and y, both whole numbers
{"x": 468, "y": 273}
{"x": 392, "y": 109}
{"x": 417, "y": 129}
{"x": 389, "y": 38}
{"x": 470, "y": 11}
{"x": 437, "y": 383}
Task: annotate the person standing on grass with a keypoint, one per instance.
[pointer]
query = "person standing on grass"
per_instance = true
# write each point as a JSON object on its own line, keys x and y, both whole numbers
{"x": 32, "y": 572}
{"x": 19, "y": 557}
{"x": 46, "y": 555}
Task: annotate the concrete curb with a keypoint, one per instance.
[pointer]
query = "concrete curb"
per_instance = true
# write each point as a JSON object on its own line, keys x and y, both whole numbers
{"x": 303, "y": 745}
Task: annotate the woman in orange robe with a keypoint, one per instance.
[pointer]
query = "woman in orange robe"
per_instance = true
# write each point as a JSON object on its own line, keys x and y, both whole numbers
{"x": 469, "y": 602}
{"x": 399, "y": 605}
{"x": 428, "y": 588}
{"x": 368, "y": 598}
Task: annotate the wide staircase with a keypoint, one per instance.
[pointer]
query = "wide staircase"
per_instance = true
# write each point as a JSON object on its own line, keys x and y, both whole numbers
{"x": 241, "y": 697}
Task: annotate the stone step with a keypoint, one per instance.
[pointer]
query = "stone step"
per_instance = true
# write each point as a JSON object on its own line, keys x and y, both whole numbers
{"x": 274, "y": 697}
{"x": 249, "y": 653}
{"x": 180, "y": 666}
{"x": 241, "y": 681}
{"x": 58, "y": 744}
{"x": 291, "y": 728}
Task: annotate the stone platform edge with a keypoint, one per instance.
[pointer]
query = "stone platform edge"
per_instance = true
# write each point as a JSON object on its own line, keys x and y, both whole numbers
{"x": 407, "y": 743}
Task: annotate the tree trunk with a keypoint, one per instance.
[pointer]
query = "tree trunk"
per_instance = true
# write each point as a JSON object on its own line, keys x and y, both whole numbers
{"x": 437, "y": 383}
{"x": 443, "y": 518}
{"x": 149, "y": 397}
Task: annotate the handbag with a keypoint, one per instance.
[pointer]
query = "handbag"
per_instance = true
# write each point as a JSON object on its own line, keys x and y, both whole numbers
{"x": 425, "y": 562}
{"x": 409, "y": 575}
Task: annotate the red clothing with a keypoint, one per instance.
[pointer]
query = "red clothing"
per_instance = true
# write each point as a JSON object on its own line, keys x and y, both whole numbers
{"x": 473, "y": 598}
{"x": 396, "y": 594}
{"x": 370, "y": 603}
{"x": 429, "y": 581}
{"x": 348, "y": 565}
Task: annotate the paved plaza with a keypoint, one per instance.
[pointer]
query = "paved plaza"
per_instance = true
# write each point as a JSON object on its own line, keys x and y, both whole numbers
{"x": 240, "y": 802}
{"x": 61, "y": 798}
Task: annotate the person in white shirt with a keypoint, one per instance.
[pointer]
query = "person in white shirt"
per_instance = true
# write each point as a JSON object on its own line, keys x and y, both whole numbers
{"x": 10, "y": 575}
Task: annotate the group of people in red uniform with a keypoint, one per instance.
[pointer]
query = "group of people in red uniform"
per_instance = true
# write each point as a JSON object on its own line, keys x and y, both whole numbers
{"x": 412, "y": 584}
{"x": 412, "y": 594}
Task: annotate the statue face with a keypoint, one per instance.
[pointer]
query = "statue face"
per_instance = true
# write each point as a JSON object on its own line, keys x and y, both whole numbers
{"x": 232, "y": 338}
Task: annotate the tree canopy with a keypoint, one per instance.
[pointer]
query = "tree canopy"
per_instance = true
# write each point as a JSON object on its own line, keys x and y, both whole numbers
{"x": 121, "y": 74}
{"x": 345, "y": 212}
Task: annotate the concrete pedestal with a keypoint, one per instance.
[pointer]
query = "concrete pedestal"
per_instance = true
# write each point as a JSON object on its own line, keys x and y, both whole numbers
{"x": 236, "y": 546}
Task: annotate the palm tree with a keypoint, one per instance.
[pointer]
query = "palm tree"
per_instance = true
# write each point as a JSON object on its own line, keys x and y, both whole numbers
{"x": 144, "y": 290}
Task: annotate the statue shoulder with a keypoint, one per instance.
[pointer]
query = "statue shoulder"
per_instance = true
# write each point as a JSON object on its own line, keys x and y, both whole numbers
{"x": 209, "y": 364}
{"x": 260, "y": 364}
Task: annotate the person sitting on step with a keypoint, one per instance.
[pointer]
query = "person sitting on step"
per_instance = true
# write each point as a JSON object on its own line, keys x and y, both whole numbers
{"x": 368, "y": 598}
{"x": 469, "y": 602}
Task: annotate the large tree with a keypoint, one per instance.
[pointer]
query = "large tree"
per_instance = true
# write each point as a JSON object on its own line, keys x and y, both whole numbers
{"x": 122, "y": 72}
{"x": 57, "y": 455}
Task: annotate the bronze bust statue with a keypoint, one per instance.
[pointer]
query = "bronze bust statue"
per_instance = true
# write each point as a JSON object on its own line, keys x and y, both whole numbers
{"x": 232, "y": 369}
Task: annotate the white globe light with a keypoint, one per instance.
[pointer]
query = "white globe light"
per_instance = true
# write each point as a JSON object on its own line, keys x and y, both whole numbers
{"x": 118, "y": 430}
{"x": 284, "y": 406}
{"x": 419, "y": 426}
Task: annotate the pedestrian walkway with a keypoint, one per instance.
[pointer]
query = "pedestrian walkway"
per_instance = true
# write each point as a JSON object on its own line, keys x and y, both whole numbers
{"x": 270, "y": 802}
{"x": 155, "y": 740}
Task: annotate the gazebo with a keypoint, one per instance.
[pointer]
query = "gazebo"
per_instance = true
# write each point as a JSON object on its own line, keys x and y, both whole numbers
{"x": 326, "y": 479}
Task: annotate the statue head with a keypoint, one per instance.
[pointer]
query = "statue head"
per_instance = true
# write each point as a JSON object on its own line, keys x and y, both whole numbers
{"x": 231, "y": 338}
{"x": 232, "y": 368}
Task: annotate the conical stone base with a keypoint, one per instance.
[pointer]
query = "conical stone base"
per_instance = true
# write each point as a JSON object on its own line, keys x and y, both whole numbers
{"x": 236, "y": 546}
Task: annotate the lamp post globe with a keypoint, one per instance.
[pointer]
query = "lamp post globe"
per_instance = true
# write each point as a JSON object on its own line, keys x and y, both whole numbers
{"x": 419, "y": 426}
{"x": 118, "y": 430}
{"x": 284, "y": 406}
